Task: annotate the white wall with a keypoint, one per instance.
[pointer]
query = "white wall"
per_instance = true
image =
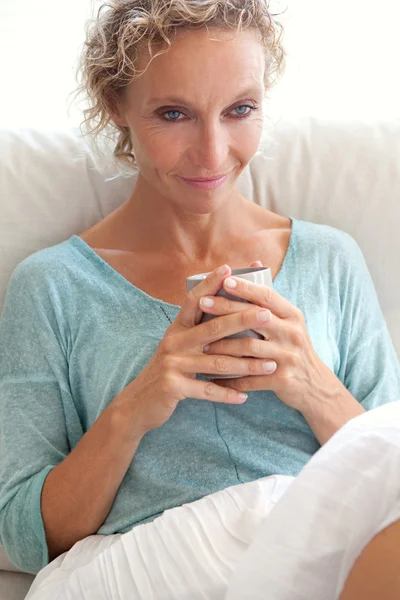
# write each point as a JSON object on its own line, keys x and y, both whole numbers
{"x": 344, "y": 59}
{"x": 39, "y": 45}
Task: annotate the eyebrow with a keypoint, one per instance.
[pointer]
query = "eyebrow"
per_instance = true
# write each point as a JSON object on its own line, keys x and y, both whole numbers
{"x": 176, "y": 100}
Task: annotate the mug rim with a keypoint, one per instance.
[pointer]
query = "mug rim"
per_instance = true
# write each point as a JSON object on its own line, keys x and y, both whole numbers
{"x": 235, "y": 272}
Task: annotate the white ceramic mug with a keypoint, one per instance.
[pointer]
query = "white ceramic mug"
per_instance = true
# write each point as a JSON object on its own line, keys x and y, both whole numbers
{"x": 259, "y": 275}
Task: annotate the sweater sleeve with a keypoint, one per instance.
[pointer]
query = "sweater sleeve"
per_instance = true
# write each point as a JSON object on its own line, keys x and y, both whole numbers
{"x": 369, "y": 366}
{"x": 34, "y": 400}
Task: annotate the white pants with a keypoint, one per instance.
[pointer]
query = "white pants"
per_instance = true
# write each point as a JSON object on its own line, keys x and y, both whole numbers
{"x": 345, "y": 495}
{"x": 278, "y": 538}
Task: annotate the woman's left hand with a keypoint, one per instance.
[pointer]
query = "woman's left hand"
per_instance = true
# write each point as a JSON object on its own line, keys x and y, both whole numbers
{"x": 300, "y": 377}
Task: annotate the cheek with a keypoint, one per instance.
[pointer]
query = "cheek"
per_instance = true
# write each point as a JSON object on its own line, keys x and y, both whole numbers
{"x": 251, "y": 141}
{"x": 157, "y": 151}
{"x": 246, "y": 141}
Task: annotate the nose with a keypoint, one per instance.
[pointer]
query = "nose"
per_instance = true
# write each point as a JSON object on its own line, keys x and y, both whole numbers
{"x": 210, "y": 148}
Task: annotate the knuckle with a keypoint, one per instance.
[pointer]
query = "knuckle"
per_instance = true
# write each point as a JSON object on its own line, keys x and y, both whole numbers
{"x": 297, "y": 336}
{"x": 169, "y": 383}
{"x": 253, "y": 346}
{"x": 169, "y": 362}
{"x": 220, "y": 364}
{"x": 226, "y": 305}
{"x": 266, "y": 296}
{"x": 244, "y": 284}
{"x": 195, "y": 294}
{"x": 167, "y": 345}
{"x": 254, "y": 367}
{"x": 288, "y": 376}
{"x": 299, "y": 316}
{"x": 209, "y": 389}
{"x": 213, "y": 327}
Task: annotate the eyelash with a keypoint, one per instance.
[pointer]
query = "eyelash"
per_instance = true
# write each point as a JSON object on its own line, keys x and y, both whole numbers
{"x": 238, "y": 117}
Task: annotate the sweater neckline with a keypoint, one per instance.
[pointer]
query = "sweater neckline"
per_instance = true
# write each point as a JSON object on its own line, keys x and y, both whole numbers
{"x": 87, "y": 251}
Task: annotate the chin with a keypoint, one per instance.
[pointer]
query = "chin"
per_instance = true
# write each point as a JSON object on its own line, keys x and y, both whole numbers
{"x": 204, "y": 202}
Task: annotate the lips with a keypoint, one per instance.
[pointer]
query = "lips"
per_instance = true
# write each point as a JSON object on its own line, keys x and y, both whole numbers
{"x": 206, "y": 184}
{"x": 204, "y": 178}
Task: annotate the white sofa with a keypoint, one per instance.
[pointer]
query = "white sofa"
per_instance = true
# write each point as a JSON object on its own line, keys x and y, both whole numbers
{"x": 342, "y": 173}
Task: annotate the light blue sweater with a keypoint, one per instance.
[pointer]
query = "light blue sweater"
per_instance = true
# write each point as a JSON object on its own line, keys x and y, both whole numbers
{"x": 74, "y": 333}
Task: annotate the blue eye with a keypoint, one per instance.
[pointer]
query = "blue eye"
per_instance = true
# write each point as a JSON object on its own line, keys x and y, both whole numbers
{"x": 243, "y": 113}
{"x": 175, "y": 113}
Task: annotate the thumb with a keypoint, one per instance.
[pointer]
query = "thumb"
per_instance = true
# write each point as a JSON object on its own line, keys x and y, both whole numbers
{"x": 257, "y": 263}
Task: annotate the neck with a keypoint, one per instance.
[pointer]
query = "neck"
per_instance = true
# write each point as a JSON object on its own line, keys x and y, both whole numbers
{"x": 149, "y": 222}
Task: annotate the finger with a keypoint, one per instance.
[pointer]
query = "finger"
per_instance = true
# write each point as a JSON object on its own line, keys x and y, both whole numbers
{"x": 248, "y": 346}
{"x": 219, "y": 305}
{"x": 211, "y": 391}
{"x": 221, "y": 365}
{"x": 257, "y": 263}
{"x": 190, "y": 313}
{"x": 220, "y": 327}
{"x": 260, "y": 294}
{"x": 248, "y": 384}
{"x": 272, "y": 328}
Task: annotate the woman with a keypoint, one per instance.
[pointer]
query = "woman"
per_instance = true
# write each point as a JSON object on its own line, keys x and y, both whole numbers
{"x": 100, "y": 375}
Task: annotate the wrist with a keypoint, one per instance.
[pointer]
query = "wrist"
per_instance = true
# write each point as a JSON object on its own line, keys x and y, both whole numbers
{"x": 127, "y": 417}
{"x": 329, "y": 408}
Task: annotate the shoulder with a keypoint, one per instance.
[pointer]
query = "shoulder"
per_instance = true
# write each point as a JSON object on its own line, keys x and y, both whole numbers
{"x": 335, "y": 246}
{"x": 334, "y": 259}
{"x": 45, "y": 270}
{"x": 39, "y": 295}
{"x": 316, "y": 233}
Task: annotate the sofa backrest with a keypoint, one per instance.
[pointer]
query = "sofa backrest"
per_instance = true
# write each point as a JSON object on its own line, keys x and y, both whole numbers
{"x": 342, "y": 173}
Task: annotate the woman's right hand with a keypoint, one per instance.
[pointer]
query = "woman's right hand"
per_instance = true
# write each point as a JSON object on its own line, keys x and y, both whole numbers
{"x": 170, "y": 376}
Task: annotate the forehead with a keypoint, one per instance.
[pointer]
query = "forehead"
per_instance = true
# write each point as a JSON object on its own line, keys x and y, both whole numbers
{"x": 203, "y": 59}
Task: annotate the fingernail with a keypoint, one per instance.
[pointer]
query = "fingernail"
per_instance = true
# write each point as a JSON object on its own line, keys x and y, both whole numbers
{"x": 231, "y": 283}
{"x": 242, "y": 396}
{"x": 206, "y": 348}
{"x": 263, "y": 315}
{"x": 222, "y": 270}
{"x": 206, "y": 302}
{"x": 269, "y": 366}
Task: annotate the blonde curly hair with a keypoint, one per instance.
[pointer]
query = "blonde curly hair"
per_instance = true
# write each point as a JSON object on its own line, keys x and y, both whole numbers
{"x": 117, "y": 32}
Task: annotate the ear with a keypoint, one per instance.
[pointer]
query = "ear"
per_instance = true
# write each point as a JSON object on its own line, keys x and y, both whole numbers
{"x": 118, "y": 118}
{"x": 116, "y": 110}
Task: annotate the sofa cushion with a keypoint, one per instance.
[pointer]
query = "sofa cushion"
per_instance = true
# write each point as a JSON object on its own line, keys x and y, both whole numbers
{"x": 342, "y": 173}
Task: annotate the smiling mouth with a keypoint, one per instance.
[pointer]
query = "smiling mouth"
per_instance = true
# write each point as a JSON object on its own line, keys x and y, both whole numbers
{"x": 205, "y": 178}
{"x": 206, "y": 184}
